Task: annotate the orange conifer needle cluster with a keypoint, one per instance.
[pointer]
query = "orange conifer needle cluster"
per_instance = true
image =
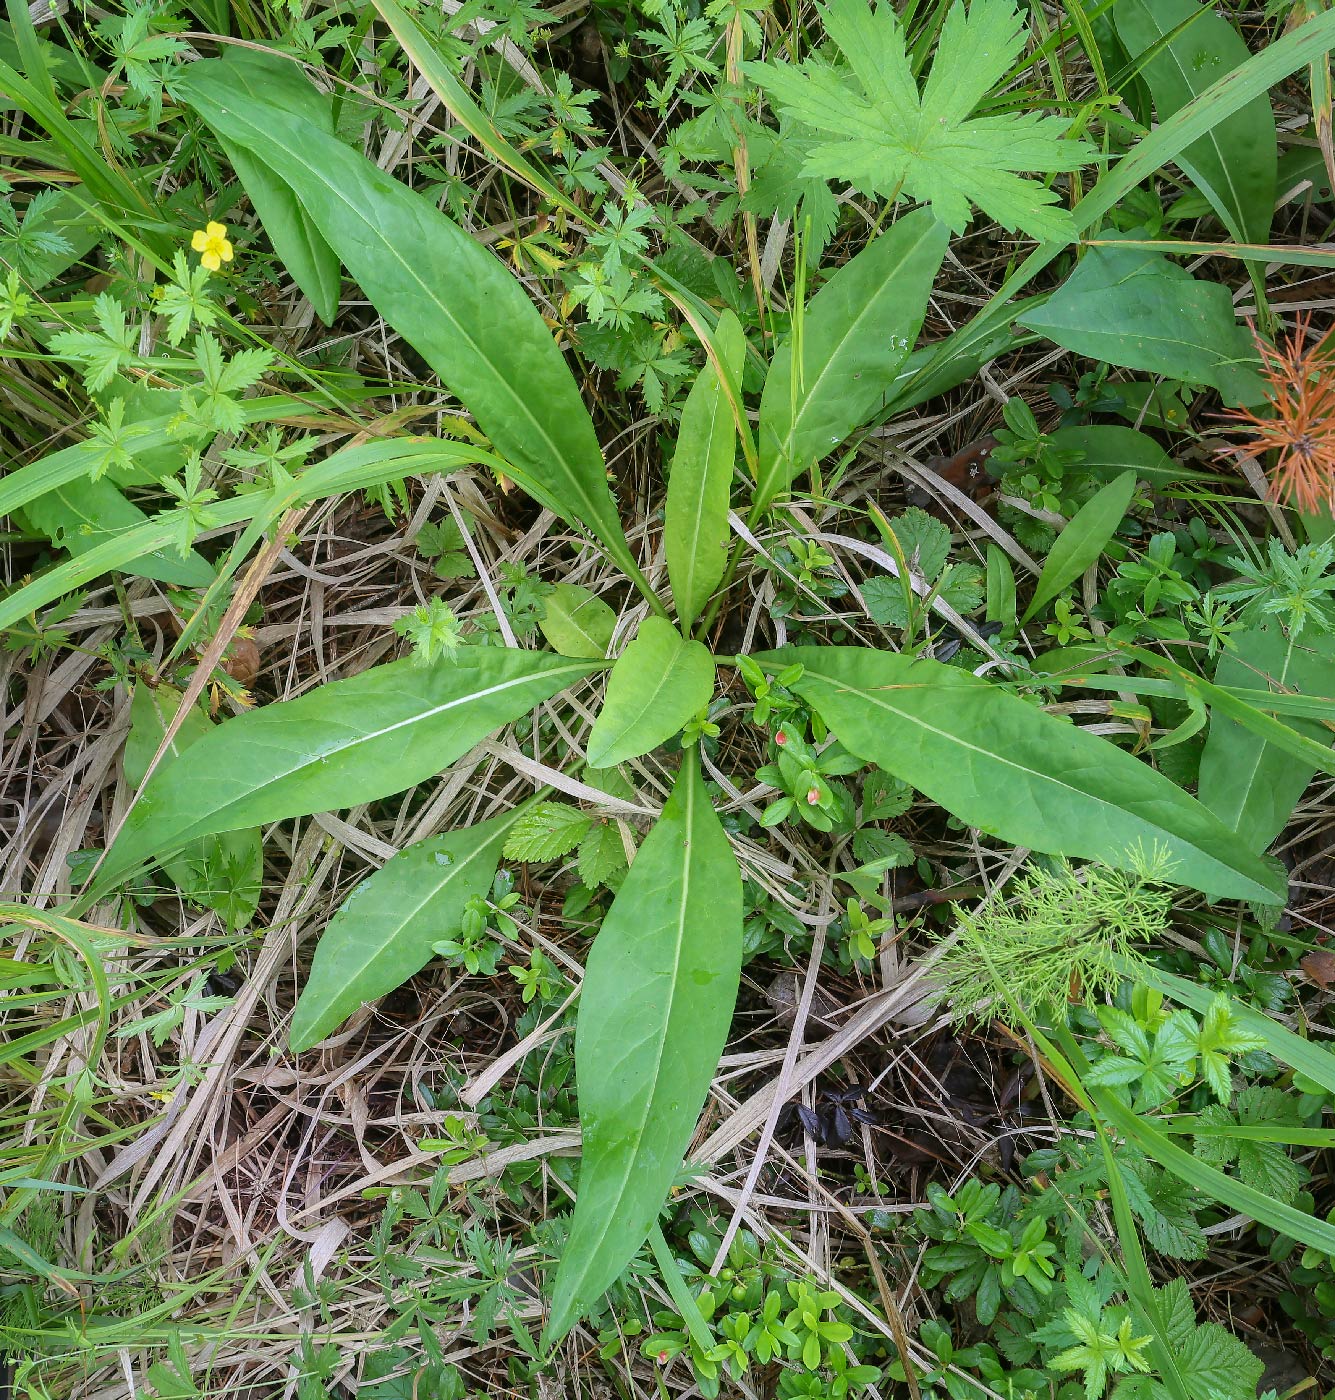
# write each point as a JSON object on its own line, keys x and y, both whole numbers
{"x": 1298, "y": 421}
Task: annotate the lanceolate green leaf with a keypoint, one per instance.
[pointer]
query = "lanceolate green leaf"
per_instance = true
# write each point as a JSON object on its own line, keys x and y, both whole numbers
{"x": 299, "y": 244}
{"x": 1234, "y": 164}
{"x": 442, "y": 291}
{"x": 1250, "y": 785}
{"x": 696, "y": 515}
{"x": 349, "y": 741}
{"x": 301, "y": 248}
{"x": 352, "y": 469}
{"x": 654, "y": 1013}
{"x": 1082, "y": 541}
{"x": 856, "y": 333}
{"x": 384, "y": 931}
{"x": 1015, "y": 772}
{"x": 658, "y": 683}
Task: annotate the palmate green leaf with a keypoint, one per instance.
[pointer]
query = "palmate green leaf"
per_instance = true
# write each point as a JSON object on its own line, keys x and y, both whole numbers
{"x": 1234, "y": 164}
{"x": 1141, "y": 311}
{"x": 384, "y": 931}
{"x": 350, "y": 741}
{"x": 655, "y": 1008}
{"x": 440, "y": 289}
{"x": 857, "y": 332}
{"x": 1015, "y": 772}
{"x": 84, "y": 514}
{"x": 1083, "y": 540}
{"x": 658, "y": 683}
{"x": 700, "y": 480}
{"x": 886, "y": 139}
{"x": 1250, "y": 785}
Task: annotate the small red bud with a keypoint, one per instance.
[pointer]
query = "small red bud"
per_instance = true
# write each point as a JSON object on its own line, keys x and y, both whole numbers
{"x": 662, "y": 1358}
{"x": 781, "y": 738}
{"x": 813, "y": 796}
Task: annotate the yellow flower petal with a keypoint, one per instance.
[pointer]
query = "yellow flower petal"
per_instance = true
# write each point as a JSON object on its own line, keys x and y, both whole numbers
{"x": 216, "y": 230}
{"x": 211, "y": 261}
{"x": 199, "y": 240}
{"x": 226, "y": 250}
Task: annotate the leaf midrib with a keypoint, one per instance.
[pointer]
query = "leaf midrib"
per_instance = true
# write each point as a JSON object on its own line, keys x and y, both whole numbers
{"x": 617, "y": 736}
{"x": 510, "y": 394}
{"x": 995, "y": 757}
{"x": 697, "y": 514}
{"x": 786, "y": 444}
{"x": 456, "y": 869}
{"x": 343, "y": 749}
{"x": 1209, "y": 138}
{"x": 688, "y": 828}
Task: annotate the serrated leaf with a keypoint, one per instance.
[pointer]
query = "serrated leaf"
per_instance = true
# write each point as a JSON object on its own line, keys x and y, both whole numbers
{"x": 1216, "y": 1364}
{"x": 888, "y": 140}
{"x": 658, "y": 683}
{"x": 857, "y": 332}
{"x": 655, "y": 1007}
{"x": 577, "y": 622}
{"x": 84, "y": 514}
{"x": 384, "y": 931}
{"x": 1008, "y": 768}
{"x": 924, "y": 540}
{"x": 601, "y": 854}
{"x": 547, "y": 831}
{"x": 700, "y": 479}
{"x": 350, "y": 741}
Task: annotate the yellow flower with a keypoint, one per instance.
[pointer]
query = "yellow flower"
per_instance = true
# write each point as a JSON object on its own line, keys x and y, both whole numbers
{"x": 212, "y": 242}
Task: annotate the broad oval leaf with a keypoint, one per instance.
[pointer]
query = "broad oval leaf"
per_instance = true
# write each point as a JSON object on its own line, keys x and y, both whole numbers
{"x": 1250, "y": 785}
{"x": 654, "y": 1012}
{"x": 1082, "y": 541}
{"x": 1234, "y": 164}
{"x": 577, "y": 622}
{"x": 84, "y": 514}
{"x": 1014, "y": 771}
{"x": 1142, "y": 311}
{"x": 857, "y": 332}
{"x": 349, "y": 741}
{"x": 658, "y": 683}
{"x": 384, "y": 931}
{"x": 440, "y": 289}
{"x": 1108, "y": 449}
{"x": 696, "y": 515}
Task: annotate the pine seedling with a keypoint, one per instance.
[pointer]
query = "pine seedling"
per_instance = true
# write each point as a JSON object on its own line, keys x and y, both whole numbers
{"x": 1066, "y": 935}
